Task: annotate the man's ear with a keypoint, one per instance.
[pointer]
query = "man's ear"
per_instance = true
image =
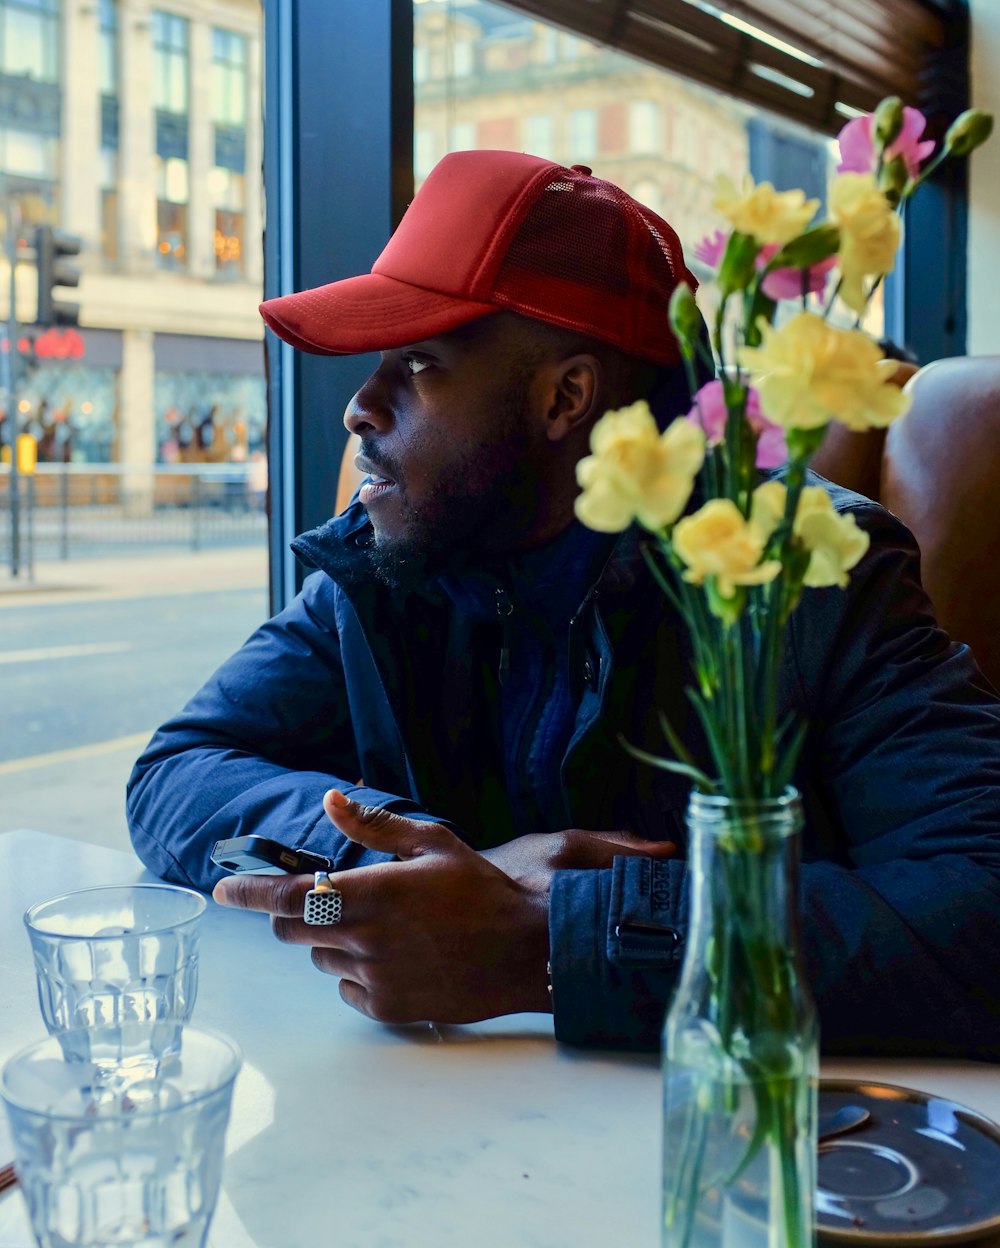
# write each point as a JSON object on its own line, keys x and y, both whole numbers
{"x": 573, "y": 387}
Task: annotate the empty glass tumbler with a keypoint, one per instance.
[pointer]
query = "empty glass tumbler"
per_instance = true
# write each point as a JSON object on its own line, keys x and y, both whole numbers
{"x": 135, "y": 1164}
{"x": 116, "y": 955}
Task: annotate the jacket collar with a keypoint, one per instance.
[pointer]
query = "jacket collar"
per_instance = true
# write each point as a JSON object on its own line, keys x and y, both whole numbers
{"x": 338, "y": 549}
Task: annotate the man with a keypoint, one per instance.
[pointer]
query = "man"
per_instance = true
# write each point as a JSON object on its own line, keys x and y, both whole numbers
{"x": 440, "y": 710}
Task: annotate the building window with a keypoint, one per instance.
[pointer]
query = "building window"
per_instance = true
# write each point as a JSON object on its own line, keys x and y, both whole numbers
{"x": 582, "y": 133}
{"x": 228, "y": 192}
{"x": 461, "y": 136}
{"x": 170, "y": 62}
{"x": 109, "y": 203}
{"x": 172, "y": 195}
{"x": 649, "y": 193}
{"x": 463, "y": 58}
{"x": 546, "y": 44}
{"x": 424, "y": 153}
{"x": 107, "y": 49}
{"x": 29, "y": 42}
{"x": 229, "y": 78}
{"x": 421, "y": 63}
{"x": 644, "y": 127}
{"x": 538, "y": 135}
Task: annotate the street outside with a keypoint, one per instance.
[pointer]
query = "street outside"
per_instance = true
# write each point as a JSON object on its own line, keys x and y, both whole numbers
{"x": 94, "y": 654}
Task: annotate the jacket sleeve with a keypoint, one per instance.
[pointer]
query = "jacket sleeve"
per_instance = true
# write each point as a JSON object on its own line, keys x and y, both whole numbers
{"x": 255, "y": 750}
{"x": 901, "y": 891}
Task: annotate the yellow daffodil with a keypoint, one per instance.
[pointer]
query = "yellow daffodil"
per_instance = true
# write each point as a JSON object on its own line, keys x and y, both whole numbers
{"x": 637, "y": 473}
{"x": 717, "y": 541}
{"x": 768, "y": 215}
{"x": 870, "y": 231}
{"x": 834, "y": 541}
{"x": 808, "y": 373}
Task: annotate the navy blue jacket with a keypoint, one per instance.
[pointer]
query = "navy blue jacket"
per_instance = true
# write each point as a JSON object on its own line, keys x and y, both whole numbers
{"x": 900, "y": 776}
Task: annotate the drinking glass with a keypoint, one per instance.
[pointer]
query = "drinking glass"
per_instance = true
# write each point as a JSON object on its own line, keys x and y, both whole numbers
{"x": 134, "y": 1165}
{"x": 121, "y": 954}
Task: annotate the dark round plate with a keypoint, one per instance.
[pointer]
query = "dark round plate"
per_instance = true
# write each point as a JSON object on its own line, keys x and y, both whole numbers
{"x": 922, "y": 1170}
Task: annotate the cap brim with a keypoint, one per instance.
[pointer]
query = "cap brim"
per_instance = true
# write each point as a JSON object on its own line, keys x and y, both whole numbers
{"x": 367, "y": 313}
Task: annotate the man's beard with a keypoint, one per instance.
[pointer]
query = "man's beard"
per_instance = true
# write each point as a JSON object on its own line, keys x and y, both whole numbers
{"x": 487, "y": 490}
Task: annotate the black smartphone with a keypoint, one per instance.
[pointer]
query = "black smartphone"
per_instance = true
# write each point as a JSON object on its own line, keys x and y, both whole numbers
{"x": 266, "y": 857}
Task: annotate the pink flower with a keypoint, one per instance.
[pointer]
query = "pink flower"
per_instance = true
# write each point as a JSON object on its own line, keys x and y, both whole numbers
{"x": 711, "y": 248}
{"x": 780, "y": 283}
{"x": 710, "y": 414}
{"x": 857, "y": 147}
{"x": 787, "y": 283}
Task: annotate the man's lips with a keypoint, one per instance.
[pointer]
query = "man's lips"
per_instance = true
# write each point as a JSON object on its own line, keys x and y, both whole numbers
{"x": 377, "y": 484}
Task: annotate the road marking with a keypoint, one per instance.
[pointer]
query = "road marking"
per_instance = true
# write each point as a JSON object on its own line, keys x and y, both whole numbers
{"x": 133, "y": 742}
{"x": 66, "y": 652}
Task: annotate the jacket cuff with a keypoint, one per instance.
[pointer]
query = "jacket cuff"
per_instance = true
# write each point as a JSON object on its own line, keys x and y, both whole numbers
{"x": 616, "y": 938}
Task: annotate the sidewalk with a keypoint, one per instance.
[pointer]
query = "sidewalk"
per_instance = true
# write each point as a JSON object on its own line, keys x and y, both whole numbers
{"x": 135, "y": 576}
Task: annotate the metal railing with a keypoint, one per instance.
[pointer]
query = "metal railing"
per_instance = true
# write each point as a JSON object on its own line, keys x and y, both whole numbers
{"x": 65, "y": 510}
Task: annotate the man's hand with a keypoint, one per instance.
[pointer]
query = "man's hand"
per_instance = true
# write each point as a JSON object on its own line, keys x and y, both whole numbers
{"x": 531, "y": 860}
{"x": 442, "y": 935}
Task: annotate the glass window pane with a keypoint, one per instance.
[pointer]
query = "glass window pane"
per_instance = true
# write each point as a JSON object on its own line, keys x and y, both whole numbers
{"x": 582, "y": 133}
{"x": 539, "y": 89}
{"x": 27, "y": 45}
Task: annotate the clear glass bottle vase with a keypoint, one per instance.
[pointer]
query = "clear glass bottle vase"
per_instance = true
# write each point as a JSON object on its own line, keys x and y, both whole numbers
{"x": 740, "y": 1041}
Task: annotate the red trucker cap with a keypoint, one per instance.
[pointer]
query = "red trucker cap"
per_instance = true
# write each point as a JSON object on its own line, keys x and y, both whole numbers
{"x": 491, "y": 231}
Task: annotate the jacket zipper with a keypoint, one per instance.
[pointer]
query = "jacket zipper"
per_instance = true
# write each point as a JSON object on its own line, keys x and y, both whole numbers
{"x": 504, "y": 610}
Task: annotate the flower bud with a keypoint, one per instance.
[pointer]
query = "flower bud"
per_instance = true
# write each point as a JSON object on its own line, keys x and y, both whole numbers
{"x": 738, "y": 263}
{"x": 892, "y": 179}
{"x": 887, "y": 121}
{"x": 968, "y": 131}
{"x": 685, "y": 319}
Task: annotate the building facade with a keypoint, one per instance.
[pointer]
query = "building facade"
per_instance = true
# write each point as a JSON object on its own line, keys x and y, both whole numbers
{"x": 137, "y": 126}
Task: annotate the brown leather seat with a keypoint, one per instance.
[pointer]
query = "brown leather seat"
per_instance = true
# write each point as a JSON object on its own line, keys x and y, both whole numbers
{"x": 941, "y": 477}
{"x": 854, "y": 460}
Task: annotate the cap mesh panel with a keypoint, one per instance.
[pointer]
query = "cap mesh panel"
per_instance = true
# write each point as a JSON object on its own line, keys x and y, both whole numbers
{"x": 615, "y": 278}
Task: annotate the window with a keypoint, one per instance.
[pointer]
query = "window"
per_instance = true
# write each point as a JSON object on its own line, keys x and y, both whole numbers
{"x": 109, "y": 203}
{"x": 538, "y": 135}
{"x": 644, "y": 126}
{"x": 649, "y": 193}
{"x": 462, "y": 136}
{"x": 424, "y": 152}
{"x": 228, "y": 192}
{"x": 463, "y": 58}
{"x": 229, "y": 78}
{"x": 29, "y": 39}
{"x": 107, "y": 50}
{"x": 582, "y": 133}
{"x": 170, "y": 62}
{"x": 658, "y": 134}
{"x": 172, "y": 213}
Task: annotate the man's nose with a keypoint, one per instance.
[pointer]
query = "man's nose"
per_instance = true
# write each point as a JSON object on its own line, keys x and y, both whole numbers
{"x": 369, "y": 411}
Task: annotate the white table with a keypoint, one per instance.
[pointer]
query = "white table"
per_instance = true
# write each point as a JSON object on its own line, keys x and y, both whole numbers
{"x": 348, "y": 1134}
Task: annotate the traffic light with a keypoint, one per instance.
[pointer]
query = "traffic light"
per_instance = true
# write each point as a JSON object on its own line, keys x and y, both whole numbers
{"x": 52, "y": 250}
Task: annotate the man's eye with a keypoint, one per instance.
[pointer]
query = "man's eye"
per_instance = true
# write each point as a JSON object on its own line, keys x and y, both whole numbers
{"x": 415, "y": 366}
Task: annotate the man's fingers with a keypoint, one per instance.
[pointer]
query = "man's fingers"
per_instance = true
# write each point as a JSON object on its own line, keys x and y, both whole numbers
{"x": 275, "y": 894}
{"x": 380, "y": 829}
{"x": 628, "y": 843}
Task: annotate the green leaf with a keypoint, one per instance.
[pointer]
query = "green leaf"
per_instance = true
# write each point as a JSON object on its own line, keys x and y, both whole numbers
{"x": 670, "y": 764}
{"x": 807, "y": 248}
{"x": 789, "y": 756}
